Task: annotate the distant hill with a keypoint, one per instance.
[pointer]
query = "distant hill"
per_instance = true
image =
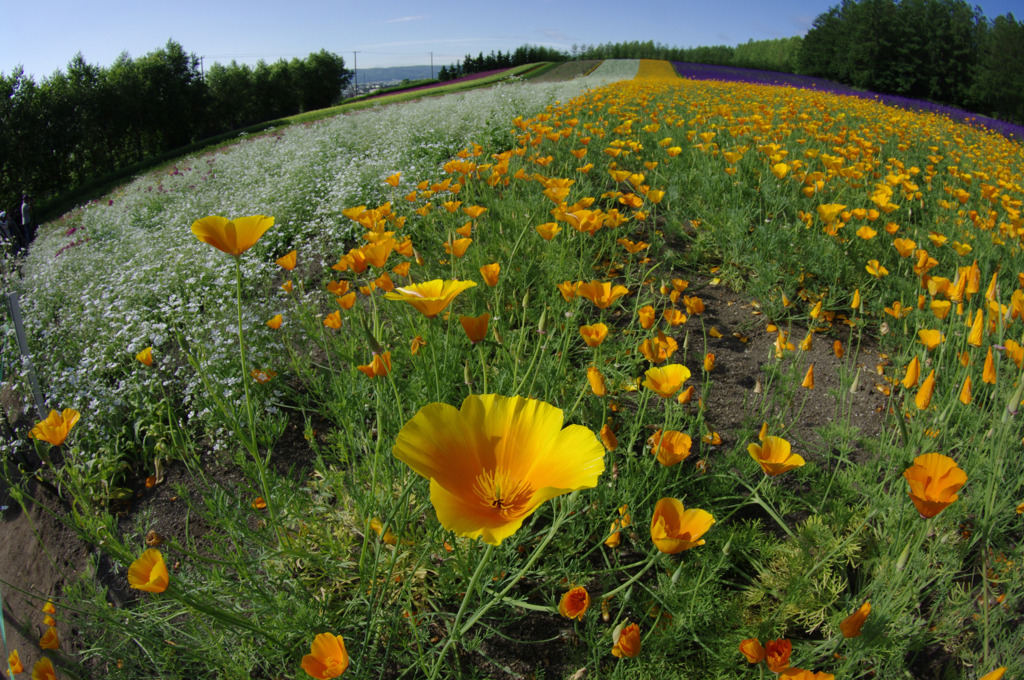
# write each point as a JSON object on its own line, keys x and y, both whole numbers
{"x": 395, "y": 74}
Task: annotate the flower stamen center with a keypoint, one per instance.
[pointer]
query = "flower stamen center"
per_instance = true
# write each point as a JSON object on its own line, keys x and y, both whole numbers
{"x": 506, "y": 496}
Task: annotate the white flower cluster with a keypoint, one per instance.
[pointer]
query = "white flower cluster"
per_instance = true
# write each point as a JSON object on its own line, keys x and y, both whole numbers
{"x": 125, "y": 272}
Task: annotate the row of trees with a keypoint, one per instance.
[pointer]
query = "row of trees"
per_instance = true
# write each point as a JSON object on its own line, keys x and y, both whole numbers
{"x": 940, "y": 50}
{"x": 769, "y": 55}
{"x": 524, "y": 54}
{"x": 89, "y": 121}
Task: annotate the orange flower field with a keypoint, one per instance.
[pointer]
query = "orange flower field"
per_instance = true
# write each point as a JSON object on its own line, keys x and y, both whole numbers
{"x": 668, "y": 378}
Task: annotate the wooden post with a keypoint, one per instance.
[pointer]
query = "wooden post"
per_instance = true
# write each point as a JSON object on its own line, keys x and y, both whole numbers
{"x": 19, "y": 328}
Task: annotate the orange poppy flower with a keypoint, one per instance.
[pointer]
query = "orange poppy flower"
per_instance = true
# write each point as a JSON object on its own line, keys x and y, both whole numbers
{"x": 852, "y": 624}
{"x": 930, "y": 338}
{"x": 594, "y": 334}
{"x": 430, "y": 298}
{"x": 808, "y": 378}
{"x": 288, "y": 261}
{"x": 346, "y": 302}
{"x": 934, "y": 480}
{"x": 752, "y": 650}
{"x": 490, "y": 273}
{"x": 145, "y": 357}
{"x": 548, "y": 230}
{"x": 674, "y": 317}
{"x": 378, "y": 367}
{"x": 777, "y": 654}
{"x": 913, "y": 375}
{"x": 457, "y": 247}
{"x": 50, "y": 639}
{"x": 674, "y": 529}
{"x": 56, "y": 427}
{"x": 568, "y": 290}
{"x": 596, "y": 380}
{"x": 475, "y": 327}
{"x": 608, "y": 438}
{"x": 671, "y": 447}
{"x": 383, "y": 282}
{"x": 574, "y": 604}
{"x": 327, "y": 658}
{"x": 376, "y": 254}
{"x": 385, "y": 535}
{"x": 632, "y": 248}
{"x": 276, "y": 322}
{"x": 876, "y": 269}
{"x": 965, "y": 391}
{"x": 774, "y": 456}
{"x": 14, "y": 663}
{"x": 694, "y": 305}
{"x": 988, "y": 372}
{"x": 626, "y": 641}
{"x": 660, "y": 349}
{"x": 647, "y": 316}
{"x": 709, "y": 362}
{"x": 924, "y": 395}
{"x": 417, "y": 342}
{"x": 233, "y": 237}
{"x": 43, "y": 670}
{"x": 149, "y": 572}
{"x": 602, "y": 294}
{"x": 333, "y": 320}
{"x": 667, "y": 380}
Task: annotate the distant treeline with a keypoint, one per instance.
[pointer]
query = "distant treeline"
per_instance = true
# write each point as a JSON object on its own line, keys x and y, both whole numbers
{"x": 768, "y": 55}
{"x": 525, "y": 54}
{"x": 940, "y": 50}
{"x": 89, "y": 121}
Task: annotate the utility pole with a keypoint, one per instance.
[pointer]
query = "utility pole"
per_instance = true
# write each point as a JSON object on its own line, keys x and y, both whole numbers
{"x": 355, "y": 72}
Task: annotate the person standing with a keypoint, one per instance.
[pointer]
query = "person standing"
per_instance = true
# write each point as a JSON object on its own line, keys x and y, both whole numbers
{"x": 28, "y": 225}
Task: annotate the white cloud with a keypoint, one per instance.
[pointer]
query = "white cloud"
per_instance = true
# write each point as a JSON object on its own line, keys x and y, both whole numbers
{"x": 400, "y": 19}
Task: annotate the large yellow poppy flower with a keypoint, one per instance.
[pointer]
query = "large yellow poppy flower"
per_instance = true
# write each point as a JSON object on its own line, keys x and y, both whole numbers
{"x": 430, "y": 297}
{"x": 234, "y": 237}
{"x": 492, "y": 462}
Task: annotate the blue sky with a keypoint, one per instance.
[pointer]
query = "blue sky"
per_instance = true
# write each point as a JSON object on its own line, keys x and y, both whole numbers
{"x": 43, "y": 35}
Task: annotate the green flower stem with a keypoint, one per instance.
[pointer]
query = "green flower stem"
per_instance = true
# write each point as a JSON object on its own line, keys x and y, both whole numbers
{"x": 755, "y": 497}
{"x": 241, "y": 356}
{"x": 560, "y": 518}
{"x": 483, "y": 365}
{"x": 456, "y": 632}
{"x": 252, "y": 442}
{"x": 635, "y": 577}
